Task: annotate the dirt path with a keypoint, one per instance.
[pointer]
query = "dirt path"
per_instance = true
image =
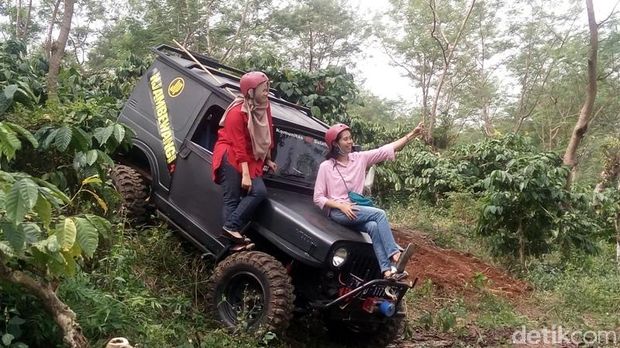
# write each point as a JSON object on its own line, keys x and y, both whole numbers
{"x": 453, "y": 271}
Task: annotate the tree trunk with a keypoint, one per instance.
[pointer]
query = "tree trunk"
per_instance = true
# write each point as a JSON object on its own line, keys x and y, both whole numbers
{"x": 18, "y": 21}
{"x": 50, "y": 29}
{"x": 24, "y": 33}
{"x": 521, "y": 236}
{"x": 242, "y": 23}
{"x": 58, "y": 51}
{"x": 489, "y": 130}
{"x": 611, "y": 176}
{"x": 447, "y": 59}
{"x": 585, "y": 115}
{"x": 62, "y": 314}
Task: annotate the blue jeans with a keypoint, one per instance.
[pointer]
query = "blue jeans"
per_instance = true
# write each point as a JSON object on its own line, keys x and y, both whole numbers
{"x": 373, "y": 221}
{"x": 238, "y": 204}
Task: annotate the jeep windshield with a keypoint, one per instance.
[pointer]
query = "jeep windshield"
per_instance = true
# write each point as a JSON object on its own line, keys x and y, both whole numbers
{"x": 298, "y": 156}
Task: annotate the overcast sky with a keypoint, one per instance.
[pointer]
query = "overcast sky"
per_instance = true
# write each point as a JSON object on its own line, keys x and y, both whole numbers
{"x": 386, "y": 81}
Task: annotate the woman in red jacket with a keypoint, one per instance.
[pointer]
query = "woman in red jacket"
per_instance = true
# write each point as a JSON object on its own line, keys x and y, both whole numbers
{"x": 243, "y": 146}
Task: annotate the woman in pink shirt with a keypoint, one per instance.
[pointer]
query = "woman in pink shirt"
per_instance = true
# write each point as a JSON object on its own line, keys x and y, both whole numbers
{"x": 344, "y": 172}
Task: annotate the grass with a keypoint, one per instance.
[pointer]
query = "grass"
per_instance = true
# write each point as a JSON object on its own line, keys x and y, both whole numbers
{"x": 580, "y": 293}
{"x": 146, "y": 285}
{"x": 450, "y": 226}
{"x": 147, "y": 289}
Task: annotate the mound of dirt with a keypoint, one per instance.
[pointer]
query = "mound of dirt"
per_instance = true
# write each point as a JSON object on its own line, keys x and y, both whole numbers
{"x": 453, "y": 271}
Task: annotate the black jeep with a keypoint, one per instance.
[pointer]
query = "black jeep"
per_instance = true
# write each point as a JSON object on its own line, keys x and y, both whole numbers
{"x": 303, "y": 261}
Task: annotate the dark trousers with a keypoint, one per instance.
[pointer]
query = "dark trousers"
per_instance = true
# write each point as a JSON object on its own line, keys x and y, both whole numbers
{"x": 239, "y": 205}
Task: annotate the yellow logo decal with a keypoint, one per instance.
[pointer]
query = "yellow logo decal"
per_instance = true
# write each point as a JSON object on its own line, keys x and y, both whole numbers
{"x": 163, "y": 119}
{"x": 176, "y": 87}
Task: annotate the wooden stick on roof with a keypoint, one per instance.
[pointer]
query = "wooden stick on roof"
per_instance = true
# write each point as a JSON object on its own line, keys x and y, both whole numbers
{"x": 202, "y": 66}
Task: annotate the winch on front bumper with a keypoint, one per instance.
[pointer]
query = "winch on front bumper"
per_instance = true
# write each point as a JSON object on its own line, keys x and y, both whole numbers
{"x": 376, "y": 296}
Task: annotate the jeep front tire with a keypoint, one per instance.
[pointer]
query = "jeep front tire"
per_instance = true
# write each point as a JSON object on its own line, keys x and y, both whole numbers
{"x": 250, "y": 291}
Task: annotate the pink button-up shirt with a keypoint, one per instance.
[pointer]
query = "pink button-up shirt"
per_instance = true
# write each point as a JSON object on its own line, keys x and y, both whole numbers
{"x": 329, "y": 184}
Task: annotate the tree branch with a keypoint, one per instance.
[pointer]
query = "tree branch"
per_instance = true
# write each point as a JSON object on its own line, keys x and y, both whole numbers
{"x": 613, "y": 10}
{"x": 431, "y": 3}
{"x": 452, "y": 49}
{"x": 241, "y": 24}
{"x": 62, "y": 314}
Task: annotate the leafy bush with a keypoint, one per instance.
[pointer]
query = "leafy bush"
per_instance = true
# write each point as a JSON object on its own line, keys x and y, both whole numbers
{"x": 22, "y": 76}
{"x": 326, "y": 92}
{"x": 527, "y": 209}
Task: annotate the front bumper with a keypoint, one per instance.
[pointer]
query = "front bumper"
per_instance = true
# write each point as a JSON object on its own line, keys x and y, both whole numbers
{"x": 380, "y": 289}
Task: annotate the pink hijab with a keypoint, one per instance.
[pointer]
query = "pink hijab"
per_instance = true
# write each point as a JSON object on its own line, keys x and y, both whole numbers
{"x": 258, "y": 124}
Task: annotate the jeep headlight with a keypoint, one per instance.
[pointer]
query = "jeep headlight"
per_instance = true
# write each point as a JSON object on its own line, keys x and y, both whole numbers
{"x": 339, "y": 257}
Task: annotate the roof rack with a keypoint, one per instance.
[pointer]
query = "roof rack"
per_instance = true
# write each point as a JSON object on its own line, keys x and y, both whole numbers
{"x": 220, "y": 69}
{"x": 206, "y": 61}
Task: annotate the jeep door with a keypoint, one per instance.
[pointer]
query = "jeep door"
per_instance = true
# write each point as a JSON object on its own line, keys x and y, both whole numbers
{"x": 193, "y": 193}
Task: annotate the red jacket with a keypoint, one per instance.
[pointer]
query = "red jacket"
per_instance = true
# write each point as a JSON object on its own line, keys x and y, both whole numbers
{"x": 234, "y": 140}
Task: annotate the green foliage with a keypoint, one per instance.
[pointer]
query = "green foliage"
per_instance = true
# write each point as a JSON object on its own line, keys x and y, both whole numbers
{"x": 147, "y": 286}
{"x": 326, "y": 92}
{"x": 20, "y": 77}
{"x": 222, "y": 30}
{"x": 578, "y": 292}
{"x": 528, "y": 209}
{"x": 30, "y": 232}
{"x": 90, "y": 148}
{"x": 496, "y": 312}
{"x": 9, "y": 139}
{"x": 12, "y": 329}
{"x": 448, "y": 318}
{"x": 314, "y": 34}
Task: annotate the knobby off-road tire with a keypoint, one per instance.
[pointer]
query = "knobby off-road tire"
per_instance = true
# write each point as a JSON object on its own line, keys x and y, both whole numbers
{"x": 133, "y": 190}
{"x": 250, "y": 291}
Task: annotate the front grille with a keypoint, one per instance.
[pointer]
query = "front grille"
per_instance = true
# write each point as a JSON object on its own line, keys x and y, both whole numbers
{"x": 363, "y": 264}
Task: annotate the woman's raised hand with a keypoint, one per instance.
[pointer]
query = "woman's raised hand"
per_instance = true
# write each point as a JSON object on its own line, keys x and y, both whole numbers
{"x": 419, "y": 129}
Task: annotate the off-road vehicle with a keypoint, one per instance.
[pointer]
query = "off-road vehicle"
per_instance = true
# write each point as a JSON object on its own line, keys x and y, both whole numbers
{"x": 303, "y": 261}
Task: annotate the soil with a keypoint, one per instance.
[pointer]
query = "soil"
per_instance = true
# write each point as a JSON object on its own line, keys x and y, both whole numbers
{"x": 455, "y": 272}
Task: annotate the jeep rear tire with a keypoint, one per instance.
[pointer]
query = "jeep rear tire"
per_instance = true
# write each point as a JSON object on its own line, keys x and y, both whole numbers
{"x": 133, "y": 190}
{"x": 250, "y": 291}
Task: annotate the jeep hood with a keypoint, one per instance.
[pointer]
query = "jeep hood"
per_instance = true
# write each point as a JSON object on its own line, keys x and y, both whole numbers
{"x": 292, "y": 219}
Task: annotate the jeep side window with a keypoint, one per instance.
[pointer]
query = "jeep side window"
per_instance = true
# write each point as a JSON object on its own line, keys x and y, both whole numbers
{"x": 206, "y": 132}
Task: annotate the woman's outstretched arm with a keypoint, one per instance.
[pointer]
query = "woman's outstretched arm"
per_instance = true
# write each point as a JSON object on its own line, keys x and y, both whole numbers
{"x": 400, "y": 143}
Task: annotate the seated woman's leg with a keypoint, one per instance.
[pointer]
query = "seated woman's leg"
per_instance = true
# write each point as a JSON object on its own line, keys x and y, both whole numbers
{"x": 373, "y": 230}
{"x": 383, "y": 230}
{"x": 366, "y": 220}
